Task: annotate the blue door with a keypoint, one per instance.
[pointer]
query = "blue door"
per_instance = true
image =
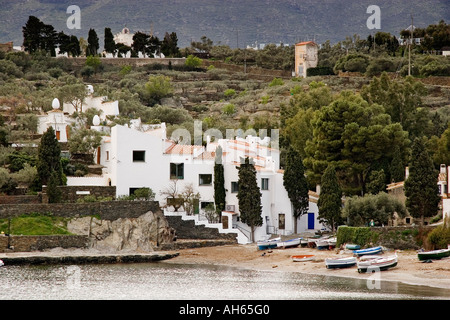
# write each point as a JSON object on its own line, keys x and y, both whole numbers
{"x": 311, "y": 219}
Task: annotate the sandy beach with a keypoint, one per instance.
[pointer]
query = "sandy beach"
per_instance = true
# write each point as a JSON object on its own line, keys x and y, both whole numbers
{"x": 409, "y": 269}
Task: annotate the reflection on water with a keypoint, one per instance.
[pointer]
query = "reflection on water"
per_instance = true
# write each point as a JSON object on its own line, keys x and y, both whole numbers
{"x": 171, "y": 281}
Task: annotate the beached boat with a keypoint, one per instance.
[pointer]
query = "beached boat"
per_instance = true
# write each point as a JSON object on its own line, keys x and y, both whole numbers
{"x": 332, "y": 263}
{"x": 374, "y": 250}
{"x": 1, "y": 263}
{"x": 322, "y": 244}
{"x": 303, "y": 242}
{"x": 268, "y": 244}
{"x": 292, "y": 243}
{"x": 301, "y": 258}
{"x": 332, "y": 243}
{"x": 434, "y": 254}
{"x": 377, "y": 264}
{"x": 350, "y": 246}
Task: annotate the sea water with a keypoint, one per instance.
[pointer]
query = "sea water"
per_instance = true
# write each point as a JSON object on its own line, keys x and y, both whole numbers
{"x": 167, "y": 281}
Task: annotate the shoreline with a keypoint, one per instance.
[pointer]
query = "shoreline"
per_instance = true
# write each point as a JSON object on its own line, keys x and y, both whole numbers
{"x": 409, "y": 270}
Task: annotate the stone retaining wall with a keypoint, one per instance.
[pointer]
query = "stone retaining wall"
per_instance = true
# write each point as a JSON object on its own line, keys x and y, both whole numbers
{"x": 69, "y": 193}
{"x": 37, "y": 243}
{"x": 186, "y": 229}
{"x": 108, "y": 210}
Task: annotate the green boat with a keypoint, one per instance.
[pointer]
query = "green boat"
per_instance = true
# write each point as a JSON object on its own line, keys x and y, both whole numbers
{"x": 435, "y": 254}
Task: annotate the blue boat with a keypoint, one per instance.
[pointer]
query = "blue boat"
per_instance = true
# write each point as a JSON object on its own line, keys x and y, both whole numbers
{"x": 374, "y": 250}
{"x": 352, "y": 246}
{"x": 268, "y": 244}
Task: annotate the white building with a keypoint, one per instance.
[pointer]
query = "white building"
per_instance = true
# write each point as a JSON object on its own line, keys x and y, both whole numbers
{"x": 107, "y": 108}
{"x": 55, "y": 118}
{"x": 141, "y": 156}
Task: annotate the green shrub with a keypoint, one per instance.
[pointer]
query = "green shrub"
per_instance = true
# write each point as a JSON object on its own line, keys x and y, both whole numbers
{"x": 229, "y": 109}
{"x": 276, "y": 82}
{"x": 440, "y": 237}
{"x": 229, "y": 93}
{"x": 362, "y": 236}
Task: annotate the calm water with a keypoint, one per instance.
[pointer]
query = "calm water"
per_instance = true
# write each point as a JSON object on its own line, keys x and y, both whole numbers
{"x": 157, "y": 281}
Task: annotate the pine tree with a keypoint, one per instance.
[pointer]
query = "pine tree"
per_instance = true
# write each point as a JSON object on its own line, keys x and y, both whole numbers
{"x": 219, "y": 182}
{"x": 330, "y": 202}
{"x": 421, "y": 189}
{"x": 249, "y": 196}
{"x": 295, "y": 183}
{"x": 49, "y": 157}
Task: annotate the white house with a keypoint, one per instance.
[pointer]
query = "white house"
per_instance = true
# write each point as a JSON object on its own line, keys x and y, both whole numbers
{"x": 108, "y": 108}
{"x": 141, "y": 156}
{"x": 55, "y": 118}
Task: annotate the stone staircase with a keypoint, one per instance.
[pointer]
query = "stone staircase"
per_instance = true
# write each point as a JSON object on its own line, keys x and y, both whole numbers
{"x": 191, "y": 227}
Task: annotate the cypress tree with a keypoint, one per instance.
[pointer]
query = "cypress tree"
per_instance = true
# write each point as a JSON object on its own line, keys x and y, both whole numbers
{"x": 219, "y": 182}
{"x": 54, "y": 194}
{"x": 110, "y": 44}
{"x": 421, "y": 190}
{"x": 295, "y": 183}
{"x": 93, "y": 45}
{"x": 249, "y": 196}
{"x": 330, "y": 202}
{"x": 49, "y": 157}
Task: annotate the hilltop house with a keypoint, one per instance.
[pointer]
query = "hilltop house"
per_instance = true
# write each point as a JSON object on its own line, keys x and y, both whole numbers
{"x": 107, "y": 108}
{"x": 141, "y": 156}
{"x": 306, "y": 56}
{"x": 60, "y": 120}
{"x": 55, "y": 118}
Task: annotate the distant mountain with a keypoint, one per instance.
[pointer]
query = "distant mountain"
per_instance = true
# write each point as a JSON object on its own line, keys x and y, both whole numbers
{"x": 231, "y": 22}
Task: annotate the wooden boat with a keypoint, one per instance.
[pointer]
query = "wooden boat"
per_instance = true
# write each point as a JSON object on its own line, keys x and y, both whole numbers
{"x": 350, "y": 246}
{"x": 292, "y": 243}
{"x": 377, "y": 264}
{"x": 332, "y": 243}
{"x": 301, "y": 258}
{"x": 303, "y": 242}
{"x": 322, "y": 244}
{"x": 374, "y": 250}
{"x": 268, "y": 244}
{"x": 434, "y": 254}
{"x": 332, "y": 263}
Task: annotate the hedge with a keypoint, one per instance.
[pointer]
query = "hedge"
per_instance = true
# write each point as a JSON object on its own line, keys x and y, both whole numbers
{"x": 319, "y": 71}
{"x": 356, "y": 235}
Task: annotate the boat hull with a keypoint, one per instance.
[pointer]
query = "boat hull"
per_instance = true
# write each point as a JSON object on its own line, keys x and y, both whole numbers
{"x": 289, "y": 243}
{"x": 268, "y": 244}
{"x": 352, "y": 247}
{"x": 379, "y": 264}
{"x": 434, "y": 255}
{"x": 340, "y": 263}
{"x": 363, "y": 252}
{"x": 302, "y": 258}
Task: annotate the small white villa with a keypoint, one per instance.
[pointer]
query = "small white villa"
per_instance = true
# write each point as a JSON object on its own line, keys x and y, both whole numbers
{"x": 142, "y": 156}
{"x": 61, "y": 120}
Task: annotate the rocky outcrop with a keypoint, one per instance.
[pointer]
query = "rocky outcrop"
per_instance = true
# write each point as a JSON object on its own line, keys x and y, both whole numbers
{"x": 141, "y": 234}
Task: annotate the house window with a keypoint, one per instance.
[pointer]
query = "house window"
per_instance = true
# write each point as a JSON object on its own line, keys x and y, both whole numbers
{"x": 234, "y": 187}
{"x": 138, "y": 156}
{"x": 205, "y": 204}
{"x": 264, "y": 183}
{"x": 107, "y": 155}
{"x": 176, "y": 170}
{"x": 205, "y": 179}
